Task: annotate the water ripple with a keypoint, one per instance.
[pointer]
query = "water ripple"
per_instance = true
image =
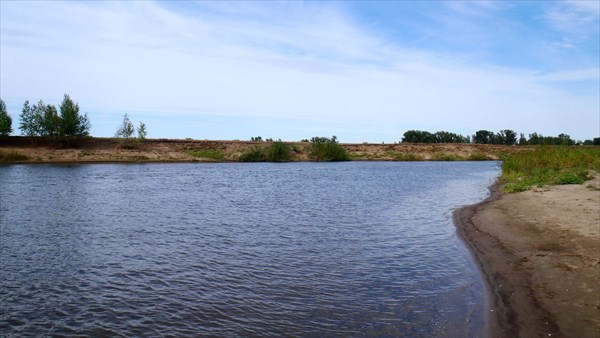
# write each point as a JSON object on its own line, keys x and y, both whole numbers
{"x": 302, "y": 249}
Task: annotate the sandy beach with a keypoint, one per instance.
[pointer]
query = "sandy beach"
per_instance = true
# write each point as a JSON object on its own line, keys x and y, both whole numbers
{"x": 539, "y": 252}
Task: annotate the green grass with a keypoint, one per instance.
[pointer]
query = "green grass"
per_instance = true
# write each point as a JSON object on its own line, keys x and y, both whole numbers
{"x": 12, "y": 156}
{"x": 207, "y": 153}
{"x": 446, "y": 157}
{"x": 549, "y": 165}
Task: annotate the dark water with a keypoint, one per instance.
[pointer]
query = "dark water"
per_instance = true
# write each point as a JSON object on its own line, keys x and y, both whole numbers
{"x": 298, "y": 249}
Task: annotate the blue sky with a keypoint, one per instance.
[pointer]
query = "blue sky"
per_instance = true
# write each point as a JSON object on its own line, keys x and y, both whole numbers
{"x": 364, "y": 71}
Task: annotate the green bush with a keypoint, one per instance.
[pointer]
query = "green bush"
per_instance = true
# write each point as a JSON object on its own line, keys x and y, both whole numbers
{"x": 327, "y": 149}
{"x": 255, "y": 154}
{"x": 278, "y": 152}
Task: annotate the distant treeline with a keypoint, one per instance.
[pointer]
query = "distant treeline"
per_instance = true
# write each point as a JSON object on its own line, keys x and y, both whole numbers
{"x": 43, "y": 119}
{"x": 506, "y": 137}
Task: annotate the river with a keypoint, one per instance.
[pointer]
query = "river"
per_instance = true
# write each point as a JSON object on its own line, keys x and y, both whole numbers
{"x": 230, "y": 249}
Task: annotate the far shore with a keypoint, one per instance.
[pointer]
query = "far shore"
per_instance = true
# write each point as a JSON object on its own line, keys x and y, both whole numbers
{"x": 539, "y": 252}
{"x": 19, "y": 149}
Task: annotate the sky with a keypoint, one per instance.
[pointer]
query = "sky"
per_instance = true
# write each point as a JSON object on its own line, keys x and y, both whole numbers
{"x": 363, "y": 71}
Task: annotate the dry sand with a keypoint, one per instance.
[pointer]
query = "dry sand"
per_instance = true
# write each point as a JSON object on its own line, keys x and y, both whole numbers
{"x": 539, "y": 252}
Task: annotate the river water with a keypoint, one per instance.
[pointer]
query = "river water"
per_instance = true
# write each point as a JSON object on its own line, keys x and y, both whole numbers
{"x": 293, "y": 249}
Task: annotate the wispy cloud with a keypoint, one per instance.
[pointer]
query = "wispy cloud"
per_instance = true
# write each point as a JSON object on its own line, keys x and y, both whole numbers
{"x": 306, "y": 64}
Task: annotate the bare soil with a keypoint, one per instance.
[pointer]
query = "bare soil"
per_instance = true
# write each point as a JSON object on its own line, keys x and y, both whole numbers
{"x": 539, "y": 251}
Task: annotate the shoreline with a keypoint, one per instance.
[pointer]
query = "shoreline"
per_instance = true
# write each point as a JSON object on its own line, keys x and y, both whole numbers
{"x": 19, "y": 149}
{"x": 540, "y": 271}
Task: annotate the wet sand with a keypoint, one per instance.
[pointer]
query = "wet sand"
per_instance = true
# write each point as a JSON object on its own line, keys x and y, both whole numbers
{"x": 539, "y": 252}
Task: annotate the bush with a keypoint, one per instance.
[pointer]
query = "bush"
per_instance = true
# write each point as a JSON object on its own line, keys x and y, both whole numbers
{"x": 278, "y": 152}
{"x": 253, "y": 155}
{"x": 327, "y": 149}
{"x": 12, "y": 156}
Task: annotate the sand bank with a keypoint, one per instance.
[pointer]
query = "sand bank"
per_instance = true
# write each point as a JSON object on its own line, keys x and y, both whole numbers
{"x": 539, "y": 252}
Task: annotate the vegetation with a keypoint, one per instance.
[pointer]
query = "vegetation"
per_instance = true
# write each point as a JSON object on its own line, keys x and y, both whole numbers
{"x": 208, "y": 153}
{"x": 549, "y": 165}
{"x": 141, "y": 131}
{"x": 5, "y": 120}
{"x": 71, "y": 122}
{"x": 420, "y": 136}
{"x": 126, "y": 129}
{"x": 43, "y": 120}
{"x": 278, "y": 151}
{"x": 327, "y": 149}
{"x": 12, "y": 156}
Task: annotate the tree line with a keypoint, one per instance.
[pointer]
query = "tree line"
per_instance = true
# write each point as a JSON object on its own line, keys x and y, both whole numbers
{"x": 506, "y": 137}
{"x": 42, "y": 119}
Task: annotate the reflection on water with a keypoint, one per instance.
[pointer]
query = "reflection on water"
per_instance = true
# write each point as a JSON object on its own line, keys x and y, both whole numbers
{"x": 296, "y": 249}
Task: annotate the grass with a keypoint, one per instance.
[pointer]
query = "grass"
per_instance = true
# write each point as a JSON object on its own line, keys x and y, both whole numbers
{"x": 207, "y": 153}
{"x": 549, "y": 165}
{"x": 445, "y": 157}
{"x": 12, "y": 156}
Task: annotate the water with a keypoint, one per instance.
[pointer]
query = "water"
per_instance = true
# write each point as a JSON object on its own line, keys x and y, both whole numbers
{"x": 296, "y": 249}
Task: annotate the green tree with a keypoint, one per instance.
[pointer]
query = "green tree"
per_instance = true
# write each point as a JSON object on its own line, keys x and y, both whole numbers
{"x": 506, "y": 136}
{"x": 141, "y": 131}
{"x": 483, "y": 137}
{"x": 418, "y": 136}
{"x": 5, "y": 120}
{"x": 29, "y": 123}
{"x": 73, "y": 123}
{"x": 126, "y": 129}
{"x": 50, "y": 124}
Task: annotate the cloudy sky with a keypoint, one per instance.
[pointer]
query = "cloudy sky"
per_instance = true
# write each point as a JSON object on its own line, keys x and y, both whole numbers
{"x": 364, "y": 71}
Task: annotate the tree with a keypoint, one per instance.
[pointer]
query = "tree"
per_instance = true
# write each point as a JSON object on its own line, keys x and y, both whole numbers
{"x": 5, "y": 120}
{"x": 72, "y": 123}
{"x": 126, "y": 129}
{"x": 522, "y": 139}
{"x": 506, "y": 136}
{"x": 483, "y": 137}
{"x": 50, "y": 124}
{"x": 418, "y": 136}
{"x": 29, "y": 123}
{"x": 141, "y": 131}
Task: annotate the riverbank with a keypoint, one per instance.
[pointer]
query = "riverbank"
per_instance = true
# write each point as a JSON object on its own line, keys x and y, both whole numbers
{"x": 539, "y": 252}
{"x": 17, "y": 149}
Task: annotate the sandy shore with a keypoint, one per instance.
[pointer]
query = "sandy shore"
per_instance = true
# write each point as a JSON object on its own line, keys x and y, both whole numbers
{"x": 539, "y": 252}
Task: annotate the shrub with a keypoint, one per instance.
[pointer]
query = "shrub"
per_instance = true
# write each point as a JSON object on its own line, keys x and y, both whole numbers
{"x": 12, "y": 156}
{"x": 253, "y": 155}
{"x": 327, "y": 149}
{"x": 278, "y": 152}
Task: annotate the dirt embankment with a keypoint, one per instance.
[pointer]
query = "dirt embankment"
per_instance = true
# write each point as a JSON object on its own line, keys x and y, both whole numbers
{"x": 43, "y": 150}
{"x": 539, "y": 251}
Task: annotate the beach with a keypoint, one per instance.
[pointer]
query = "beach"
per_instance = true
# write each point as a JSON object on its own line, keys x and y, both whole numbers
{"x": 539, "y": 253}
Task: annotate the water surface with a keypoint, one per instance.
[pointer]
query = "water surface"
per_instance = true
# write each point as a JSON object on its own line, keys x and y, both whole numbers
{"x": 295, "y": 249}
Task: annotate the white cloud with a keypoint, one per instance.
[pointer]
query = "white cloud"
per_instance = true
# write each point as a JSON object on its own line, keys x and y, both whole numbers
{"x": 294, "y": 61}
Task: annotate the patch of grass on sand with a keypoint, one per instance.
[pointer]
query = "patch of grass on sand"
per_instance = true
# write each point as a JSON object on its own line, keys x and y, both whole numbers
{"x": 446, "y": 157}
{"x": 397, "y": 156}
{"x": 207, "y": 153}
{"x": 478, "y": 156}
{"x": 7, "y": 156}
{"x": 549, "y": 165}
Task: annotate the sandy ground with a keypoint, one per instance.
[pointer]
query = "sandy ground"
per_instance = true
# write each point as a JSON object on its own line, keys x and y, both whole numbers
{"x": 539, "y": 251}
